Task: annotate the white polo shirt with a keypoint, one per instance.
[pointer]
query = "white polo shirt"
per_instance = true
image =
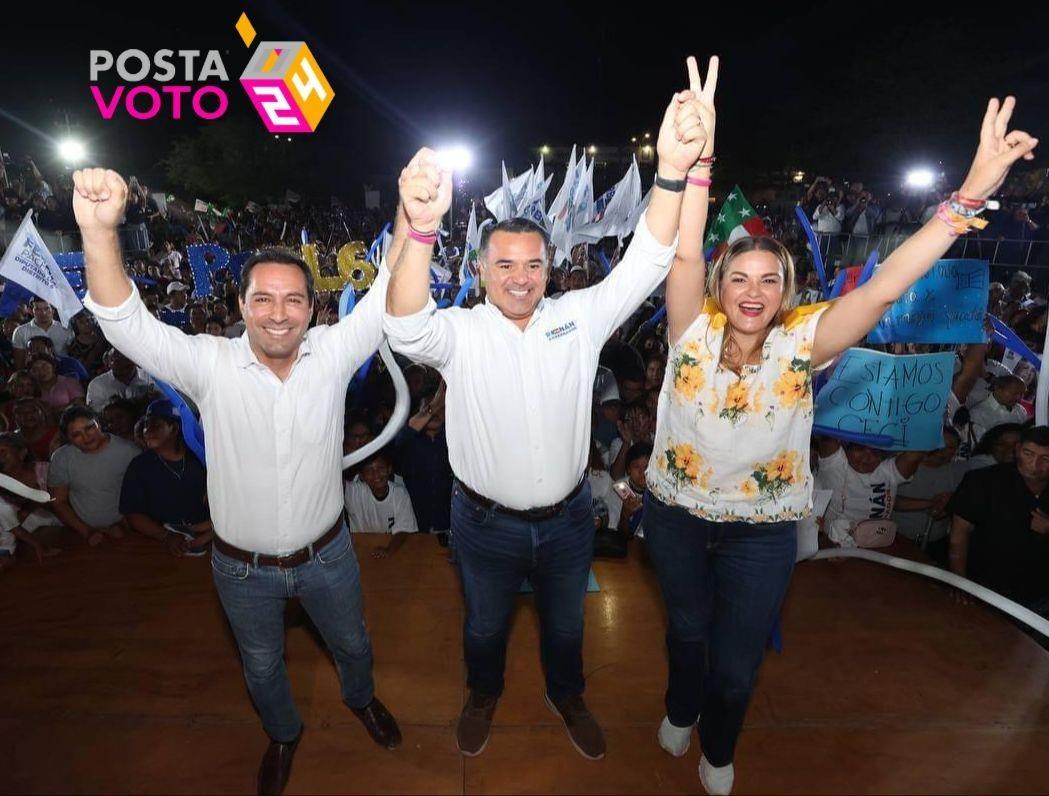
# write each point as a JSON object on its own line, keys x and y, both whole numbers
{"x": 519, "y": 402}
{"x": 274, "y": 448}
{"x": 60, "y": 335}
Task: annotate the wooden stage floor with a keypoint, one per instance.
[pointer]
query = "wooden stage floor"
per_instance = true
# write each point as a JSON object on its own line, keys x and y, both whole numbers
{"x": 118, "y": 675}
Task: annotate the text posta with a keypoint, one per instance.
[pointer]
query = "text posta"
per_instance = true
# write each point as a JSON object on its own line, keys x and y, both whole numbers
{"x": 146, "y": 101}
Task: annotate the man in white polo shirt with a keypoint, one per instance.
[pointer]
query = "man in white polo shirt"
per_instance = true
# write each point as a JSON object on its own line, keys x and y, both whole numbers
{"x": 520, "y": 371}
{"x": 43, "y": 324}
{"x": 124, "y": 379}
{"x": 271, "y": 405}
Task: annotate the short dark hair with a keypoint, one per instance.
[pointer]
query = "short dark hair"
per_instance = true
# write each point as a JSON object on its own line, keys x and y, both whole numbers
{"x": 43, "y": 338}
{"x": 639, "y": 450}
{"x": 1036, "y": 435}
{"x": 77, "y": 412}
{"x": 282, "y": 257}
{"x": 992, "y": 435}
{"x": 383, "y": 454}
{"x": 517, "y": 226}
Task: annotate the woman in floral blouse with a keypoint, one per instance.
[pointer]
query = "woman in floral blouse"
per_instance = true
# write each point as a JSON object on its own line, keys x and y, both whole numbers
{"x": 729, "y": 476}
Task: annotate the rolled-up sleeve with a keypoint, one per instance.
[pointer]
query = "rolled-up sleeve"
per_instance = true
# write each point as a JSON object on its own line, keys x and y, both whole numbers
{"x": 360, "y": 333}
{"x": 426, "y": 336}
{"x": 161, "y": 350}
{"x": 644, "y": 265}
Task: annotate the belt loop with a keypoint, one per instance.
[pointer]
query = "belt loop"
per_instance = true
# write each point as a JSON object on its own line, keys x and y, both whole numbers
{"x": 255, "y": 560}
{"x": 309, "y": 551}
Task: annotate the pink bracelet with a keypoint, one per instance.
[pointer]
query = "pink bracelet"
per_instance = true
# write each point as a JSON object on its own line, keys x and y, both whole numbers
{"x": 699, "y": 181}
{"x": 429, "y": 238}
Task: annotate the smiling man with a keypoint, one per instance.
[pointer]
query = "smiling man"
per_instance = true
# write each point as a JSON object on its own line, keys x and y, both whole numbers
{"x": 271, "y": 404}
{"x": 520, "y": 372}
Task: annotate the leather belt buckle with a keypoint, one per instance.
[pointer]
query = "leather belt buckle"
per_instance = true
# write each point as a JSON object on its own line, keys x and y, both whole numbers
{"x": 292, "y": 559}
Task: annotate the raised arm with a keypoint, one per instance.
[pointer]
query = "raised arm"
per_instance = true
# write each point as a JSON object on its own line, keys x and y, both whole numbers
{"x": 426, "y": 194}
{"x": 98, "y": 203}
{"x": 682, "y": 137}
{"x": 688, "y": 272}
{"x": 163, "y": 351}
{"x": 849, "y": 318}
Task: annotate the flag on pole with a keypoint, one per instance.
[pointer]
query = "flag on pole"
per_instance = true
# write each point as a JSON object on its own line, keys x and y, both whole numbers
{"x": 614, "y": 209}
{"x": 565, "y": 191}
{"x": 468, "y": 264}
{"x": 28, "y": 263}
{"x": 504, "y": 200}
{"x": 736, "y": 219}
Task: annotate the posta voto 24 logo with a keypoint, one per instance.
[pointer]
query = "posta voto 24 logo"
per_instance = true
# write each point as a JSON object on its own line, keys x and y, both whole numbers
{"x": 282, "y": 79}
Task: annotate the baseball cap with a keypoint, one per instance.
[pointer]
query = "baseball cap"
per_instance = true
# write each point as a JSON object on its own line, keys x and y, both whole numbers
{"x": 162, "y": 407}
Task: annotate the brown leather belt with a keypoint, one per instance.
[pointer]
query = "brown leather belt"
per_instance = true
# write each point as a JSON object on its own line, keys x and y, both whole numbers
{"x": 294, "y": 559}
{"x": 532, "y": 515}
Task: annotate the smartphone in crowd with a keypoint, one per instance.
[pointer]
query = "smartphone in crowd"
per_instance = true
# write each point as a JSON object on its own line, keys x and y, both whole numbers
{"x": 622, "y": 488}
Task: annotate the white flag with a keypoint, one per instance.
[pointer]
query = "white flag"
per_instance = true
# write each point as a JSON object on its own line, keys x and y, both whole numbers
{"x": 616, "y": 215}
{"x": 29, "y": 264}
{"x": 504, "y": 201}
{"x": 566, "y": 188}
{"x": 200, "y": 206}
{"x": 468, "y": 265}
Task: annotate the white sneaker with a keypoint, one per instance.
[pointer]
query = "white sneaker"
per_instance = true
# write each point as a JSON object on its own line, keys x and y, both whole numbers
{"x": 673, "y": 739}
{"x": 716, "y": 781}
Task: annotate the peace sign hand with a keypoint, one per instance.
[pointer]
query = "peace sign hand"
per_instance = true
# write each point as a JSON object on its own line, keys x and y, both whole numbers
{"x": 997, "y": 152}
{"x": 704, "y": 94}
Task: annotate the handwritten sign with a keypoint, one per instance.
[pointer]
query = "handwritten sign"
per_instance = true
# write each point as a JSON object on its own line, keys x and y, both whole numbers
{"x": 902, "y": 398}
{"x": 947, "y": 305}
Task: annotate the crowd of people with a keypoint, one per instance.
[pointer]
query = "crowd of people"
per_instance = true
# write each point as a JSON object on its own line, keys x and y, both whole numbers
{"x": 84, "y": 422}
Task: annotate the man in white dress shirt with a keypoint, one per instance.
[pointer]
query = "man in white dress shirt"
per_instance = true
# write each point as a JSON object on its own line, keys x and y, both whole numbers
{"x": 520, "y": 371}
{"x": 271, "y": 405}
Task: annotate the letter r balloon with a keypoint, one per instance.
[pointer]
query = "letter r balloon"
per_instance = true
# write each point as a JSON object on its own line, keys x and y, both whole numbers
{"x": 287, "y": 87}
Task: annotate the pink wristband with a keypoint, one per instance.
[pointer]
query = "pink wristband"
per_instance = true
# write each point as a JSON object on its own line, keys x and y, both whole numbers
{"x": 699, "y": 181}
{"x": 429, "y": 238}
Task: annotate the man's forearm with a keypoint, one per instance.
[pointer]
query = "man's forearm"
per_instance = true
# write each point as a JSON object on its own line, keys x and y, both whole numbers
{"x": 958, "y": 552}
{"x": 106, "y": 280}
{"x": 147, "y": 526}
{"x": 70, "y": 519}
{"x": 410, "y": 279}
{"x": 664, "y": 210}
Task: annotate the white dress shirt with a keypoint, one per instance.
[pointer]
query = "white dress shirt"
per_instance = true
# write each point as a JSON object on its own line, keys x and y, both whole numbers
{"x": 274, "y": 448}
{"x": 519, "y": 402}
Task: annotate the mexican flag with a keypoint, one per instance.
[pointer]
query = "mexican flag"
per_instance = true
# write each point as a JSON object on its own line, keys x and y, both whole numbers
{"x": 736, "y": 219}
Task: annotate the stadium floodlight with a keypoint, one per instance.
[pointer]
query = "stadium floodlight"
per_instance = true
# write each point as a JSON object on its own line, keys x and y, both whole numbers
{"x": 455, "y": 158}
{"x": 920, "y": 178}
{"x": 72, "y": 151}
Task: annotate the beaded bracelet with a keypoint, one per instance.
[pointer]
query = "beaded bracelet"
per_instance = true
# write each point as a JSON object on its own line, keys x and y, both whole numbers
{"x": 958, "y": 223}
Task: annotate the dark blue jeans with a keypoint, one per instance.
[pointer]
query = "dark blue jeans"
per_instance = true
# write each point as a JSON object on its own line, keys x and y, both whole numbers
{"x": 329, "y": 588}
{"x": 495, "y": 553}
{"x": 723, "y": 584}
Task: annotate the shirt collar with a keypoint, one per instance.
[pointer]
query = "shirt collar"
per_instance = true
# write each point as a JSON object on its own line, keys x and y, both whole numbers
{"x": 535, "y": 313}
{"x": 244, "y": 357}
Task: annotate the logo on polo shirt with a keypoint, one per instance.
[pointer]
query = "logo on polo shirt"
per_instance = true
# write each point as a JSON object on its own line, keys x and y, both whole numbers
{"x": 561, "y": 331}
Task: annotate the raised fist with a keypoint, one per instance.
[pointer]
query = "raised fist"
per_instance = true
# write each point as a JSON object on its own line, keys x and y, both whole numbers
{"x": 426, "y": 191}
{"x": 98, "y": 199}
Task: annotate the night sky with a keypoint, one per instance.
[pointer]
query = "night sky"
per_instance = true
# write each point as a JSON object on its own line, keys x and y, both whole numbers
{"x": 821, "y": 89}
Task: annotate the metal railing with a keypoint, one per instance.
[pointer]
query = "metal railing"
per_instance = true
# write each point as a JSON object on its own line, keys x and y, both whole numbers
{"x": 999, "y": 252}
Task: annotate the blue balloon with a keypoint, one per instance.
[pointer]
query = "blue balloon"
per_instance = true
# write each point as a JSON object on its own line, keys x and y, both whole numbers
{"x": 814, "y": 243}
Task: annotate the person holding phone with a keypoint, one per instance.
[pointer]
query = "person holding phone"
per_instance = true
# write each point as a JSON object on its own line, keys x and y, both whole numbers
{"x": 730, "y": 474}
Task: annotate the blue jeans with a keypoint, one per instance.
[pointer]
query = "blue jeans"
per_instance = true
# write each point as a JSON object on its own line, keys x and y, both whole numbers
{"x": 495, "y": 553}
{"x": 329, "y": 588}
{"x": 723, "y": 584}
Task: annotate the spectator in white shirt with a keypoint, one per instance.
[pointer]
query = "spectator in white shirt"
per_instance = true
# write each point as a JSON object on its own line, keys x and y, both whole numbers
{"x": 829, "y": 215}
{"x": 43, "y": 323}
{"x": 375, "y": 504}
{"x": 124, "y": 379}
{"x": 271, "y": 405}
{"x": 1001, "y": 406}
{"x": 520, "y": 371}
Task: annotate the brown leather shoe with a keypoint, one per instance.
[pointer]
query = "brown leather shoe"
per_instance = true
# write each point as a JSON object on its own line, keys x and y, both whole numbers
{"x": 381, "y": 726}
{"x": 475, "y": 723}
{"x": 583, "y": 730}
{"x": 276, "y": 766}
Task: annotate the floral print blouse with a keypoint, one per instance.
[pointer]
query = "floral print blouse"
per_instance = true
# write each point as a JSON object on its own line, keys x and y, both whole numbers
{"x": 735, "y": 447}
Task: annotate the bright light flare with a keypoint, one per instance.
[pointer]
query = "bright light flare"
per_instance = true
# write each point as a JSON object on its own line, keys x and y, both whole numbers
{"x": 72, "y": 151}
{"x": 920, "y": 178}
{"x": 455, "y": 158}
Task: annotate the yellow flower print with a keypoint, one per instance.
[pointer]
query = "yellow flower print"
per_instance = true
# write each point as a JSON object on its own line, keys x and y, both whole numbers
{"x": 736, "y": 398}
{"x": 683, "y": 462}
{"x": 689, "y": 380}
{"x": 790, "y": 387}
{"x": 805, "y": 350}
{"x": 712, "y": 404}
{"x": 756, "y": 404}
{"x": 692, "y": 349}
{"x": 782, "y": 468}
{"x": 748, "y": 489}
{"x": 661, "y": 463}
